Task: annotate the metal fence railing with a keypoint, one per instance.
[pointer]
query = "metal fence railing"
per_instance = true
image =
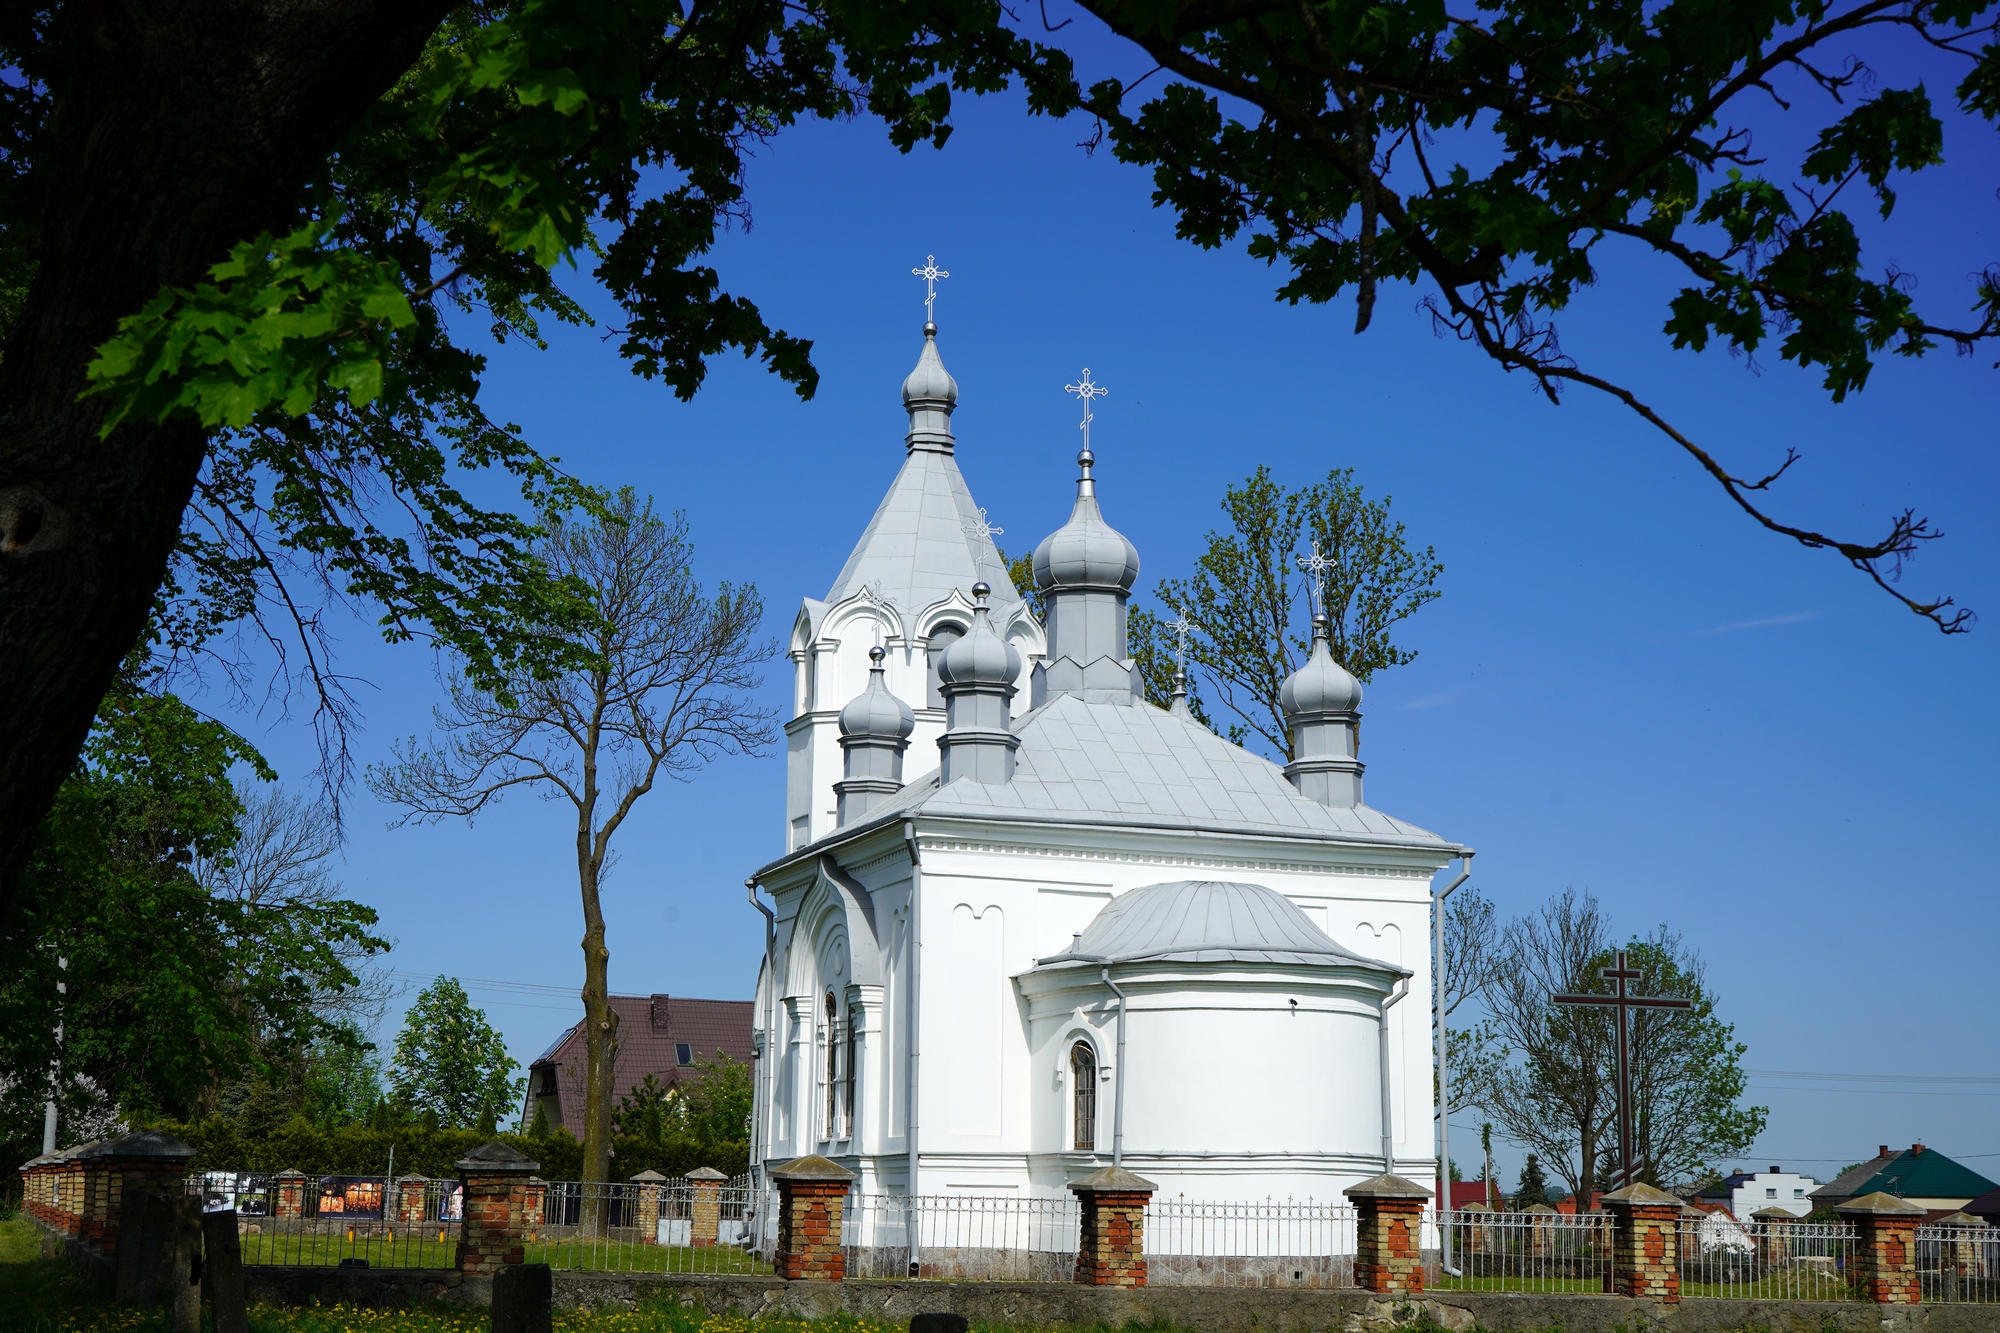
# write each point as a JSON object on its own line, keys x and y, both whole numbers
{"x": 1792, "y": 1261}
{"x": 1528, "y": 1251}
{"x": 639, "y": 1228}
{"x": 1959, "y": 1265}
{"x": 962, "y": 1237}
{"x": 321, "y": 1221}
{"x": 1206, "y": 1243}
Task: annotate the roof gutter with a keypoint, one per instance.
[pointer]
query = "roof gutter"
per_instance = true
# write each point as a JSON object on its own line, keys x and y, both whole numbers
{"x": 1388, "y": 1125}
{"x": 768, "y": 1075}
{"x": 1117, "y": 1073}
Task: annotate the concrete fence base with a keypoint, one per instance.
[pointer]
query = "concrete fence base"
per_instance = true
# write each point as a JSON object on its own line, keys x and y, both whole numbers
{"x": 1196, "y": 1309}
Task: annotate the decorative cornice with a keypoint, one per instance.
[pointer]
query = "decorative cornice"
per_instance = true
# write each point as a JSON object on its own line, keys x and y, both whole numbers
{"x": 933, "y": 842}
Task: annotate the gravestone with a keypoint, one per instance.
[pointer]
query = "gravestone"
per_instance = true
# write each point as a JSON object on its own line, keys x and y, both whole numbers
{"x": 522, "y": 1295}
{"x": 222, "y": 1272}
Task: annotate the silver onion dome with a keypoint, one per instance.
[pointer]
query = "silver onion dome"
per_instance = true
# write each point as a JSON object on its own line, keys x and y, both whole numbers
{"x": 875, "y": 713}
{"x": 1322, "y": 685}
{"x": 1086, "y": 552}
{"x": 980, "y": 656}
{"x": 930, "y": 384}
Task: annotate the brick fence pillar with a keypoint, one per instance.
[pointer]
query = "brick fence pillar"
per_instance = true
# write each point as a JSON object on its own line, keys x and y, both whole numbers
{"x": 705, "y": 1210}
{"x": 1645, "y": 1243}
{"x": 538, "y": 1202}
{"x": 495, "y": 1214}
{"x": 288, "y": 1195}
{"x": 1388, "y": 1251}
{"x": 409, "y": 1204}
{"x": 152, "y": 1160}
{"x": 1885, "y": 1248}
{"x": 1774, "y": 1243}
{"x": 648, "y": 1199}
{"x": 811, "y": 1192}
{"x": 1111, "y": 1237}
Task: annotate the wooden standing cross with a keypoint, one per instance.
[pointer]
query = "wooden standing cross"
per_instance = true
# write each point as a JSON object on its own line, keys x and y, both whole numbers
{"x": 1622, "y": 1003}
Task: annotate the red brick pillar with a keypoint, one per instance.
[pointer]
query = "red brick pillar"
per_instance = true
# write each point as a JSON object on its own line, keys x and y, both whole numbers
{"x": 409, "y": 1206}
{"x": 1645, "y": 1243}
{"x": 1389, "y": 1217}
{"x": 153, "y": 1160}
{"x": 288, "y": 1195}
{"x": 811, "y": 1191}
{"x": 1111, "y": 1241}
{"x": 495, "y": 1180}
{"x": 705, "y": 1208}
{"x": 648, "y": 1183}
{"x": 1885, "y": 1248}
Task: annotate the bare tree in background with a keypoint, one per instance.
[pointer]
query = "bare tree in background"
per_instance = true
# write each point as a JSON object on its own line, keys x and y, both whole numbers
{"x": 284, "y": 858}
{"x": 1545, "y": 1072}
{"x": 1471, "y": 943}
{"x": 667, "y": 690}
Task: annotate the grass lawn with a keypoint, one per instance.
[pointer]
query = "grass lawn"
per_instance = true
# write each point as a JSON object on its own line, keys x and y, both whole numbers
{"x": 420, "y": 1248}
{"x": 1565, "y": 1284}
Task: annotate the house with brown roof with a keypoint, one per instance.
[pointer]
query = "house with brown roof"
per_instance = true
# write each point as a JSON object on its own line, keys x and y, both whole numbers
{"x": 662, "y": 1035}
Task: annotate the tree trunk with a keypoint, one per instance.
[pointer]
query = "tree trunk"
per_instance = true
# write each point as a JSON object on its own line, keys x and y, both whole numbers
{"x": 600, "y": 1038}
{"x": 178, "y": 130}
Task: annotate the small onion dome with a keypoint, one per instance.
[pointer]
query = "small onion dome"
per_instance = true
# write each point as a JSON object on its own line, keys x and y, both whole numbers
{"x": 875, "y": 713}
{"x": 930, "y": 384}
{"x": 1322, "y": 685}
{"x": 1086, "y": 552}
{"x": 979, "y": 657}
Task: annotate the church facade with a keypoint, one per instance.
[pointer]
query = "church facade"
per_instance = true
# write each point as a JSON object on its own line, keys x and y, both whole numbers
{"x": 1029, "y": 924}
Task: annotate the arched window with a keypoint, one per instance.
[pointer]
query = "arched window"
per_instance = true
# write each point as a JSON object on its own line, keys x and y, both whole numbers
{"x": 847, "y": 1086}
{"x": 1083, "y": 1072}
{"x": 943, "y": 637}
{"x": 832, "y": 1067}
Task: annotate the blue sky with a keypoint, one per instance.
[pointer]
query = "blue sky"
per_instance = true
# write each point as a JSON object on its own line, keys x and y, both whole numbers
{"x": 1626, "y": 687}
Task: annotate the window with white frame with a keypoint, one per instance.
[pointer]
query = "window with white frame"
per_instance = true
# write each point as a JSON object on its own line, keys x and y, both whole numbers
{"x": 1083, "y": 1097}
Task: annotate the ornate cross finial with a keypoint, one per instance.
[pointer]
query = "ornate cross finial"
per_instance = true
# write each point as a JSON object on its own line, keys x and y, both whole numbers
{"x": 1181, "y": 626}
{"x": 1085, "y": 390}
{"x": 930, "y": 273}
{"x": 979, "y": 527}
{"x": 1315, "y": 567}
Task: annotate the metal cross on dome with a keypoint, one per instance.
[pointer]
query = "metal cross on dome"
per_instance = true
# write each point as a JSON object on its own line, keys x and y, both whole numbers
{"x": 979, "y": 527}
{"x": 1086, "y": 391}
{"x": 1315, "y": 567}
{"x": 1181, "y": 626}
{"x": 930, "y": 273}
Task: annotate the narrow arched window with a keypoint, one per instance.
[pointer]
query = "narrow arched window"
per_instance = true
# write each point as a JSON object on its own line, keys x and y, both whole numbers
{"x": 943, "y": 637}
{"x": 832, "y": 1065}
{"x": 1083, "y": 1073}
{"x": 847, "y": 1085}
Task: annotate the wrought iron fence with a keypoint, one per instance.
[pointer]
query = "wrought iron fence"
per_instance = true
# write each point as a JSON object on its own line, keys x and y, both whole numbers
{"x": 1528, "y": 1251}
{"x": 640, "y": 1228}
{"x": 325, "y": 1221}
{"x": 1959, "y": 1264}
{"x": 1275, "y": 1243}
{"x": 978, "y": 1238}
{"x": 1792, "y": 1261}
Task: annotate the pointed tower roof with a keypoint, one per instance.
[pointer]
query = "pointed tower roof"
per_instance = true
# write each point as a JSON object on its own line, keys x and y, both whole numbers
{"x": 927, "y": 538}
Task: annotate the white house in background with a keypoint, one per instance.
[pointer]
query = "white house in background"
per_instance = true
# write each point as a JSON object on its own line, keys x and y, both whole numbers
{"x": 1745, "y": 1192}
{"x": 951, "y": 954}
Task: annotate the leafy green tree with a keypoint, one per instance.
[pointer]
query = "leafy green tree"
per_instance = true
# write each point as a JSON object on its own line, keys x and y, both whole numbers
{"x": 1533, "y": 1186}
{"x": 715, "y": 1106}
{"x": 163, "y": 988}
{"x": 1548, "y": 1072}
{"x": 665, "y": 685}
{"x": 343, "y": 1079}
{"x": 1494, "y": 157}
{"x": 450, "y": 1063}
{"x": 1250, "y": 604}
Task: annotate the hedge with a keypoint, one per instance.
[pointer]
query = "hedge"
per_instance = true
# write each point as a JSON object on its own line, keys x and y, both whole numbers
{"x": 363, "y": 1150}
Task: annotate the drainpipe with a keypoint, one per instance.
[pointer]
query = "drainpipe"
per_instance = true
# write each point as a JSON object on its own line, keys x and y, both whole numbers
{"x": 1388, "y": 1128}
{"x": 1117, "y": 1074}
{"x": 1444, "y": 1073}
{"x": 916, "y": 991}
{"x": 769, "y": 1077}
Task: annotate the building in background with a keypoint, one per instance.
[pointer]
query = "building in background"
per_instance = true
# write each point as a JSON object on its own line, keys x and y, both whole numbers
{"x": 1922, "y": 1176}
{"x": 661, "y": 1035}
{"x": 1745, "y": 1192}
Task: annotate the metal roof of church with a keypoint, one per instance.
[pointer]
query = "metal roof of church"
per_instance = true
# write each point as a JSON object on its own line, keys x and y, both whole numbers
{"x": 926, "y": 541}
{"x": 1207, "y": 921}
{"x": 1095, "y": 762}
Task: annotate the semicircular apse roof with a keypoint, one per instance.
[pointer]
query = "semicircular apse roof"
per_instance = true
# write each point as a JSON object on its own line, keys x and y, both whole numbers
{"x": 1208, "y": 921}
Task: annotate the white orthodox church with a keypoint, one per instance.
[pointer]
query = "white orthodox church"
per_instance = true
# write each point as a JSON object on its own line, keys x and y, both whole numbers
{"x": 1029, "y": 923}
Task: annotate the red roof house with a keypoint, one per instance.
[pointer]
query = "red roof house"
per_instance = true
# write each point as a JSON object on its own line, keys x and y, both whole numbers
{"x": 660, "y": 1035}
